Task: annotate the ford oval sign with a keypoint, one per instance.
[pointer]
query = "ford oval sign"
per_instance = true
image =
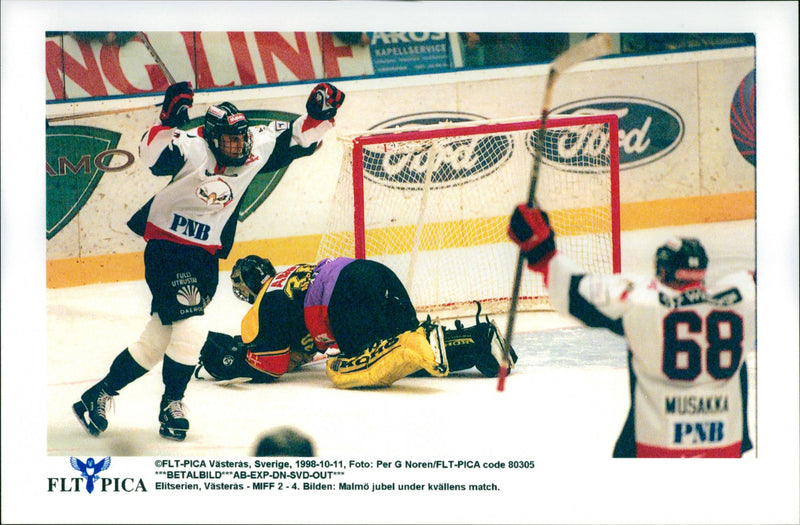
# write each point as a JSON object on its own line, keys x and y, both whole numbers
{"x": 457, "y": 161}
{"x": 648, "y": 130}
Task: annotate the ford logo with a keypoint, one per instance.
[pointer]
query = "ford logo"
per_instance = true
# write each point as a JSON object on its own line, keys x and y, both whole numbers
{"x": 457, "y": 161}
{"x": 648, "y": 131}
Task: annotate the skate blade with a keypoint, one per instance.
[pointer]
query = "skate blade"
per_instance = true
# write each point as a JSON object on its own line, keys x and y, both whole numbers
{"x": 173, "y": 434}
{"x": 79, "y": 409}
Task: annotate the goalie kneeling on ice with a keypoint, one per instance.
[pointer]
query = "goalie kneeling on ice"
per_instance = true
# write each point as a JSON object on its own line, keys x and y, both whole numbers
{"x": 412, "y": 353}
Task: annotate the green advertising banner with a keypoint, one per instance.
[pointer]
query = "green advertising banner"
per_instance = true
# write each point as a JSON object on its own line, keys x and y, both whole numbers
{"x": 77, "y": 158}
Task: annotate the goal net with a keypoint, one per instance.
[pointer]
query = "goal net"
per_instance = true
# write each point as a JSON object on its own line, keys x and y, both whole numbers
{"x": 433, "y": 202}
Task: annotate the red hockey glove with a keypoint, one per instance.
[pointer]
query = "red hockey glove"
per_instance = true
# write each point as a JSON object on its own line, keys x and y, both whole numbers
{"x": 323, "y": 102}
{"x": 177, "y": 101}
{"x": 530, "y": 229}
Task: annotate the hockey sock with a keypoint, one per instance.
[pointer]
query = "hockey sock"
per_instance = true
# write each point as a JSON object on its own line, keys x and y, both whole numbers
{"x": 176, "y": 377}
{"x": 124, "y": 370}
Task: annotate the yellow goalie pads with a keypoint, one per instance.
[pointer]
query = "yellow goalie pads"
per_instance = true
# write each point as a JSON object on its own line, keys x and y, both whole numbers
{"x": 387, "y": 361}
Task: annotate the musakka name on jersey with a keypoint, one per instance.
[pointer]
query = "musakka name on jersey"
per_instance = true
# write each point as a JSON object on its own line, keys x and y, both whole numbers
{"x": 697, "y": 296}
{"x": 696, "y": 404}
{"x": 689, "y": 297}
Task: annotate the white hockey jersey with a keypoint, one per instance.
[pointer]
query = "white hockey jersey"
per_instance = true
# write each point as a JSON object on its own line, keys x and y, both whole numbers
{"x": 686, "y": 352}
{"x": 199, "y": 206}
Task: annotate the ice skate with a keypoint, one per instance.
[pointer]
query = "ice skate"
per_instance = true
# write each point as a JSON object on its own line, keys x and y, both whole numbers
{"x": 172, "y": 417}
{"x": 92, "y": 407}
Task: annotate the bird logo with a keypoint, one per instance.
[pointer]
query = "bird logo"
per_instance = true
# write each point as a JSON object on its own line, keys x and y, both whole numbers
{"x": 215, "y": 193}
{"x": 90, "y": 470}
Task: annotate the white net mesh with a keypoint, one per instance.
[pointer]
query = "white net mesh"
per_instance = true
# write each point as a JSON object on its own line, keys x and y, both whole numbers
{"x": 435, "y": 203}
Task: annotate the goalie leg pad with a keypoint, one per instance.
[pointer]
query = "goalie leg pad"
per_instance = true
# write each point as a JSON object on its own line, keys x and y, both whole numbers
{"x": 386, "y": 361}
{"x": 435, "y": 333}
{"x": 480, "y": 346}
{"x": 488, "y": 360}
{"x": 461, "y": 347}
{"x": 432, "y": 360}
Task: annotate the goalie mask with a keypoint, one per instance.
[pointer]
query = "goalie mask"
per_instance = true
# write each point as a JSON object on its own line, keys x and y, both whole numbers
{"x": 227, "y": 132}
{"x": 681, "y": 262}
{"x": 248, "y": 276}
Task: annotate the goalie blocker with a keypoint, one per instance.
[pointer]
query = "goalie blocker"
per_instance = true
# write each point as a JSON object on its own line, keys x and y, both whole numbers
{"x": 224, "y": 357}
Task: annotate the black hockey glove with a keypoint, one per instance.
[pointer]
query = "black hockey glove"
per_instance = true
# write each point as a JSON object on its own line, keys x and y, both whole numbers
{"x": 323, "y": 102}
{"x": 530, "y": 229}
{"x": 224, "y": 357}
{"x": 177, "y": 101}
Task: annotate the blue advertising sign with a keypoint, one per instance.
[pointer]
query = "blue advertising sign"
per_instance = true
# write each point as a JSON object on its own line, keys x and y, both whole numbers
{"x": 398, "y": 53}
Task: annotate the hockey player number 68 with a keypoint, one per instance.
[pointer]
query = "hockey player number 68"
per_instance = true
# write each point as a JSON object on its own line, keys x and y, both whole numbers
{"x": 682, "y": 358}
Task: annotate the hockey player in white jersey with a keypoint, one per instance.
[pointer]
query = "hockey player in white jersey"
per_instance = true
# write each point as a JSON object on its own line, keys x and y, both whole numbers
{"x": 686, "y": 342}
{"x": 188, "y": 226}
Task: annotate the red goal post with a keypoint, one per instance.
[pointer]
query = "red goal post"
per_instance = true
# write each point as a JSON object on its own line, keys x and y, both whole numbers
{"x": 432, "y": 203}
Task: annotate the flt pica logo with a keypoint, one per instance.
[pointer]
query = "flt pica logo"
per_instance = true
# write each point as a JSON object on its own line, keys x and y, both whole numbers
{"x": 90, "y": 479}
{"x": 90, "y": 470}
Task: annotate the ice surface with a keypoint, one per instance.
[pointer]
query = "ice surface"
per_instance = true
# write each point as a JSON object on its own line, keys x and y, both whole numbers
{"x": 569, "y": 380}
{"x": 563, "y": 407}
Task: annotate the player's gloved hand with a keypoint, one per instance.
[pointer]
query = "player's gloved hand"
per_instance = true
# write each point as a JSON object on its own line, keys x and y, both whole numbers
{"x": 224, "y": 357}
{"x": 323, "y": 102}
{"x": 177, "y": 100}
{"x": 530, "y": 229}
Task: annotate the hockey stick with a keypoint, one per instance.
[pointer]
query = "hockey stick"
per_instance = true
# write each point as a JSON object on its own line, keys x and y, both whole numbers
{"x": 159, "y": 62}
{"x": 593, "y": 47}
{"x": 61, "y": 118}
{"x": 155, "y": 56}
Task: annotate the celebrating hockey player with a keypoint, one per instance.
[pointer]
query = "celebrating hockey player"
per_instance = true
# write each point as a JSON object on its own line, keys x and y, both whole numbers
{"x": 686, "y": 342}
{"x": 357, "y": 310}
{"x": 188, "y": 226}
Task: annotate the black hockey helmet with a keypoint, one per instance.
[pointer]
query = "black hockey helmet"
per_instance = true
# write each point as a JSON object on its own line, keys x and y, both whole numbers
{"x": 248, "y": 276}
{"x": 681, "y": 261}
{"x": 226, "y": 119}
